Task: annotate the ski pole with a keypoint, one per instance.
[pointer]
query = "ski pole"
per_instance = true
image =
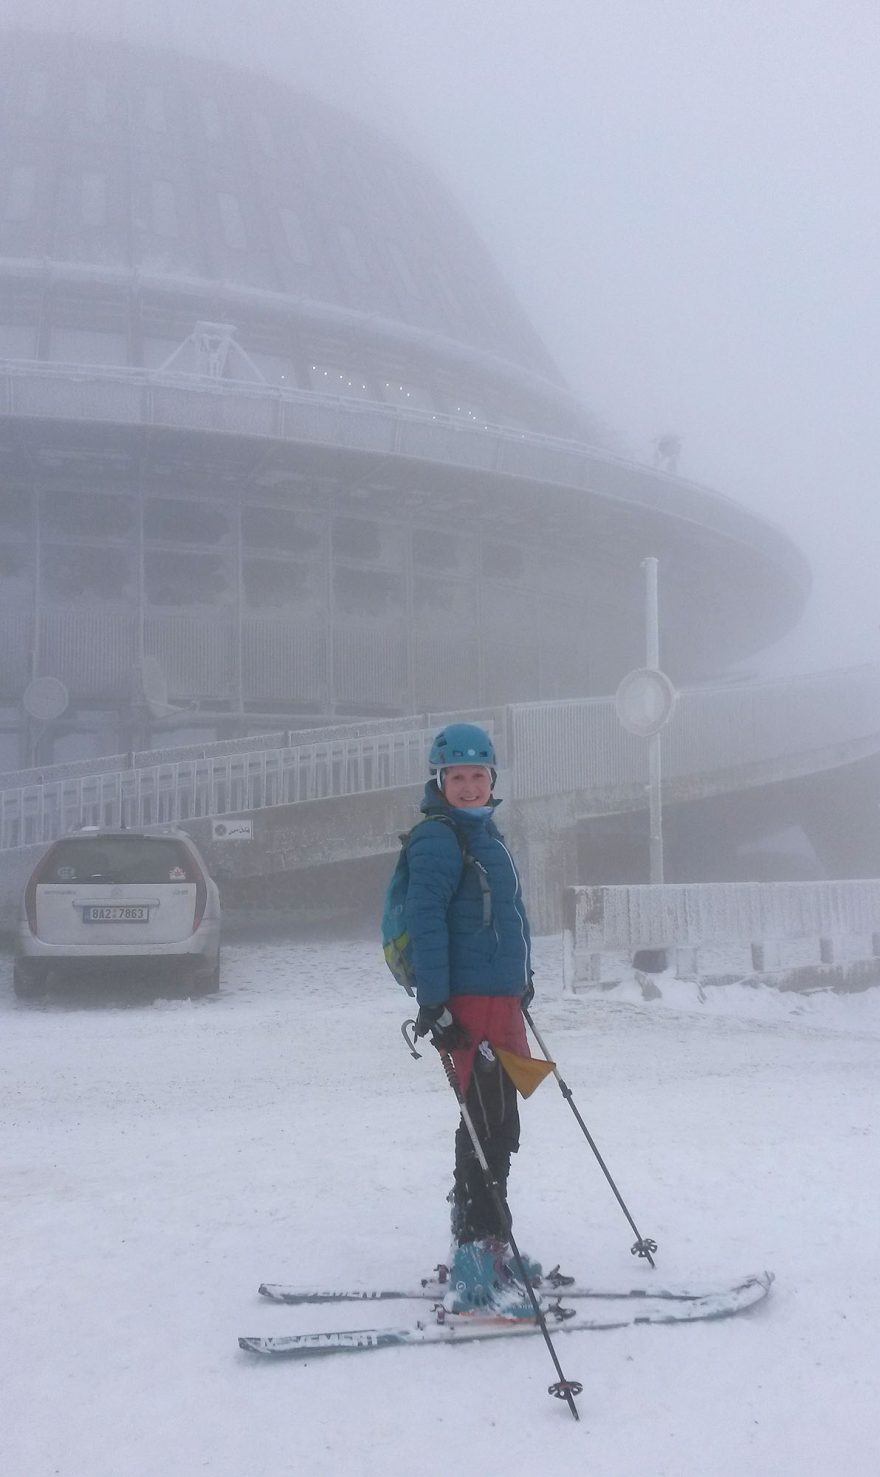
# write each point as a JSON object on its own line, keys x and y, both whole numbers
{"x": 644, "y": 1245}
{"x": 563, "y": 1389}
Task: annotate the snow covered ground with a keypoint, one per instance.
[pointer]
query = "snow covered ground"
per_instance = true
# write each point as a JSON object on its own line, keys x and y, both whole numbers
{"x": 160, "y": 1159}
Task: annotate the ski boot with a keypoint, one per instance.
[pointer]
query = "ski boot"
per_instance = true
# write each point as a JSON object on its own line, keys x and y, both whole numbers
{"x": 480, "y": 1283}
{"x": 533, "y": 1270}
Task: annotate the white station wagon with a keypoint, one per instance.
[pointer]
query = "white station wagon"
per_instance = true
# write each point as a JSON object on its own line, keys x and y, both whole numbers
{"x": 120, "y": 903}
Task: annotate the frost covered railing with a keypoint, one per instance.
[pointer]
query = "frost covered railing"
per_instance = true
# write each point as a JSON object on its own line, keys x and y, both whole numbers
{"x": 578, "y": 745}
{"x": 719, "y": 738}
{"x": 721, "y": 929}
{"x": 193, "y": 789}
{"x": 199, "y": 782}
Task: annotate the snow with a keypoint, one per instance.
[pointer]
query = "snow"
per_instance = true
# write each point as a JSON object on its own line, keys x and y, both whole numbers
{"x": 161, "y": 1159}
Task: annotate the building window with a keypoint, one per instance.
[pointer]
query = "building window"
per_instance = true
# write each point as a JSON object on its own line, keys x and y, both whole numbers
{"x": 432, "y": 549}
{"x": 93, "y": 199}
{"x": 444, "y": 603}
{"x": 232, "y": 222}
{"x": 86, "y": 515}
{"x": 265, "y": 136}
{"x": 15, "y": 573}
{"x": 87, "y": 346}
{"x": 96, "y": 100}
{"x": 469, "y": 412}
{"x": 18, "y": 341}
{"x": 164, "y": 207}
{"x": 504, "y": 561}
{"x": 355, "y": 538}
{"x": 402, "y": 270}
{"x": 314, "y": 154}
{"x": 154, "y": 109}
{"x": 367, "y": 592}
{"x": 186, "y": 579}
{"x": 368, "y": 543}
{"x": 350, "y": 383}
{"x": 352, "y": 254}
{"x": 212, "y": 121}
{"x": 36, "y": 93}
{"x": 276, "y": 369}
{"x": 276, "y": 584}
{"x": 15, "y": 511}
{"x": 177, "y": 522}
{"x": 21, "y": 192}
{"x": 282, "y": 530}
{"x": 414, "y": 397}
{"x": 295, "y": 237}
{"x": 157, "y": 351}
{"x": 85, "y": 574}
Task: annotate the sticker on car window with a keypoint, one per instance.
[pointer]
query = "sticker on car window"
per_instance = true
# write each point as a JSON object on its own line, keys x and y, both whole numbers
{"x": 177, "y": 874}
{"x": 66, "y": 874}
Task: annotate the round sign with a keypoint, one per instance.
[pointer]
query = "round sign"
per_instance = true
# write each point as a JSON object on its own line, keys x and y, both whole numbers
{"x": 644, "y": 701}
{"x": 45, "y": 698}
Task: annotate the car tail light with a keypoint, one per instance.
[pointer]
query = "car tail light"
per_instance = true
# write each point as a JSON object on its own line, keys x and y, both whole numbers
{"x": 30, "y": 892}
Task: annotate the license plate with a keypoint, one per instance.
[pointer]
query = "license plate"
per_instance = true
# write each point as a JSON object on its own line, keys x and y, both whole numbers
{"x": 116, "y": 913}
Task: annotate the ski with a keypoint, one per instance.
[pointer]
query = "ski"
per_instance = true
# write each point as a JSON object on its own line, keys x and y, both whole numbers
{"x": 457, "y": 1328}
{"x": 433, "y": 1289}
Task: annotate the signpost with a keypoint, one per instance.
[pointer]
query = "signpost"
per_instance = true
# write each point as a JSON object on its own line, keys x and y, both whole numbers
{"x": 232, "y": 830}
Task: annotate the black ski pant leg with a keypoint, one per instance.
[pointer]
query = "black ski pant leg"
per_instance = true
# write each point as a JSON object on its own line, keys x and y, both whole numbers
{"x": 491, "y": 1102}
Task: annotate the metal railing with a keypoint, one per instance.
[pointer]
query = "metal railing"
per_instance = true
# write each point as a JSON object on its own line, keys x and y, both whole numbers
{"x": 191, "y": 789}
{"x": 714, "y": 731}
{"x": 727, "y": 734}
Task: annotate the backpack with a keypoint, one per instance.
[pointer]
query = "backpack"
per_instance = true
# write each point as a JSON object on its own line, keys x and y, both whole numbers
{"x": 396, "y": 942}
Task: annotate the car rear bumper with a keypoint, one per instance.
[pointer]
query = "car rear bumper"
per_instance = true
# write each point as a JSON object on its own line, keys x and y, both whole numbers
{"x": 202, "y": 945}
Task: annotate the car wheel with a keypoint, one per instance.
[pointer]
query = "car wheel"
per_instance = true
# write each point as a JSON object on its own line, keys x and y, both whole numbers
{"x": 207, "y": 981}
{"x": 29, "y": 980}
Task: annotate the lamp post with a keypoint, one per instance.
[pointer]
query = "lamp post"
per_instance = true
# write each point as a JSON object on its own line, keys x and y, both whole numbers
{"x": 644, "y": 702}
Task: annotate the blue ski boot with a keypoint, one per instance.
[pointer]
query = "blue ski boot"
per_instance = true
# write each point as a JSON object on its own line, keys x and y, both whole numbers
{"x": 534, "y": 1271}
{"x": 480, "y": 1283}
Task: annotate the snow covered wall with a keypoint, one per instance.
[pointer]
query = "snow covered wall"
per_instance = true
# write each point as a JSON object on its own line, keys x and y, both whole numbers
{"x": 797, "y": 934}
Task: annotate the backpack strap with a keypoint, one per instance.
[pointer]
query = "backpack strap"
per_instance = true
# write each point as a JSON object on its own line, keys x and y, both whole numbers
{"x": 467, "y": 859}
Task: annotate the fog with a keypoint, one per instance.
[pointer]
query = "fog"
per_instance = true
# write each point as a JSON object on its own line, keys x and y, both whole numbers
{"x": 685, "y": 200}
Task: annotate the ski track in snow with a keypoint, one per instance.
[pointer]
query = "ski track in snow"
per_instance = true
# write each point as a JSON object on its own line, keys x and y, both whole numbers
{"x": 160, "y": 1159}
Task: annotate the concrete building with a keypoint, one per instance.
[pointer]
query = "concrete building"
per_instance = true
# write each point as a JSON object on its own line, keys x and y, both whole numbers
{"x": 278, "y": 447}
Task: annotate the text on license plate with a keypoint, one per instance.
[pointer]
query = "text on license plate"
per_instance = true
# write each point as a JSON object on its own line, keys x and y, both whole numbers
{"x": 116, "y": 913}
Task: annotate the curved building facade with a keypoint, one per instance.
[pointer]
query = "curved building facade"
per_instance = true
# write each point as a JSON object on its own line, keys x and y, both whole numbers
{"x": 275, "y": 433}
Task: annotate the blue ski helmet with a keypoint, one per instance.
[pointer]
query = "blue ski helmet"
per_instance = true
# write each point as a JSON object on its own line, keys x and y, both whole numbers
{"x": 462, "y": 743}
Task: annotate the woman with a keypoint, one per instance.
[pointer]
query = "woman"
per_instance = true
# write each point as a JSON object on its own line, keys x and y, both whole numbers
{"x": 471, "y": 957}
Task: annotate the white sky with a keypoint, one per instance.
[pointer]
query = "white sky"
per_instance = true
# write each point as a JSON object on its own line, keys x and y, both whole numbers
{"x": 684, "y": 195}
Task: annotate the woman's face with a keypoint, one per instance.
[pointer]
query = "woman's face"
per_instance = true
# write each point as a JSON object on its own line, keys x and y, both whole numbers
{"x": 467, "y": 785}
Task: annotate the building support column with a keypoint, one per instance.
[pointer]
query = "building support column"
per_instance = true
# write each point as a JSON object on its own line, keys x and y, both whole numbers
{"x": 545, "y": 846}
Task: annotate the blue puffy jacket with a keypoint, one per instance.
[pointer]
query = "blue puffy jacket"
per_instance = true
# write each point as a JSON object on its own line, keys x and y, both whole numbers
{"x": 453, "y": 951}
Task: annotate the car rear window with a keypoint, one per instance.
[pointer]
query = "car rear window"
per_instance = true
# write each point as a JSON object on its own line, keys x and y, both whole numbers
{"x": 119, "y": 859}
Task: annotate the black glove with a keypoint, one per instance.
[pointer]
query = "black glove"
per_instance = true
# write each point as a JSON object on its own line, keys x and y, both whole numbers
{"x": 528, "y": 994}
{"x": 437, "y": 1022}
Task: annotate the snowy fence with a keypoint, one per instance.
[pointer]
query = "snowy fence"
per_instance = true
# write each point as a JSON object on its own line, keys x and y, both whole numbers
{"x": 579, "y": 744}
{"x": 224, "y": 784}
{"x": 722, "y": 930}
{"x": 196, "y": 783}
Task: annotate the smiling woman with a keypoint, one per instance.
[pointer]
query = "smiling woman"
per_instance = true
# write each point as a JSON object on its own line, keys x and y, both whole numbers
{"x": 470, "y": 948}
